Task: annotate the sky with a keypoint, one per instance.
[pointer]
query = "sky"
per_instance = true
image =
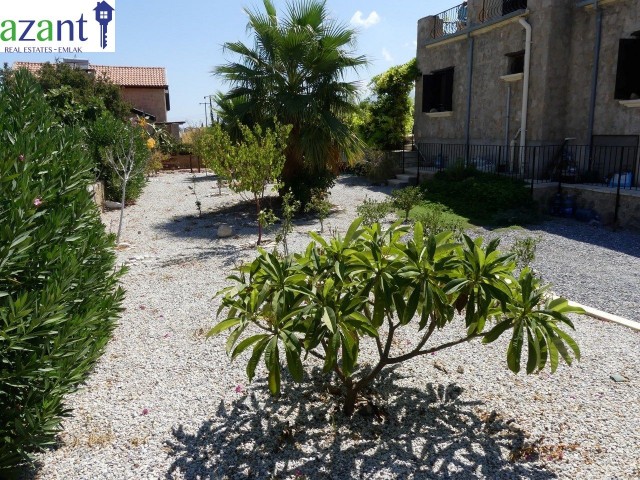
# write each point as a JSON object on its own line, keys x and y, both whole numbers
{"x": 186, "y": 38}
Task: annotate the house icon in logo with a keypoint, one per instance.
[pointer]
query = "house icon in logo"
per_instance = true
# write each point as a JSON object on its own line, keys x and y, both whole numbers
{"x": 104, "y": 14}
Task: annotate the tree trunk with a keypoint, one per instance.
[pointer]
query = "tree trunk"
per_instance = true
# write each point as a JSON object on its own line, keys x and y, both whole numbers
{"x": 350, "y": 401}
{"x": 124, "y": 191}
{"x": 257, "y": 200}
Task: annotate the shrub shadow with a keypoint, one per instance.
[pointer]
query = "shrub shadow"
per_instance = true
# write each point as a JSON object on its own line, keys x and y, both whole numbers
{"x": 432, "y": 433}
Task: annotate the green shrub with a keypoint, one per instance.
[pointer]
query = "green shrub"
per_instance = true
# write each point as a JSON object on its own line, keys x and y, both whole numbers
{"x": 59, "y": 298}
{"x": 405, "y": 199}
{"x": 436, "y": 218}
{"x": 372, "y": 211}
{"x": 364, "y": 288}
{"x": 483, "y": 198}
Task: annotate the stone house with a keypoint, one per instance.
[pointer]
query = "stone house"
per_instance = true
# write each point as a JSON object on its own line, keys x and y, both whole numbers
{"x": 145, "y": 88}
{"x": 545, "y": 90}
{"x": 531, "y": 73}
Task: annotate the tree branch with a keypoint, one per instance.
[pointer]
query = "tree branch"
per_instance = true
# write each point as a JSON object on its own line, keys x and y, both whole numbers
{"x": 414, "y": 353}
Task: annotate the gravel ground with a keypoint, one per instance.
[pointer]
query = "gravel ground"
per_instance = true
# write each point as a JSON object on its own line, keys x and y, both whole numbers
{"x": 165, "y": 403}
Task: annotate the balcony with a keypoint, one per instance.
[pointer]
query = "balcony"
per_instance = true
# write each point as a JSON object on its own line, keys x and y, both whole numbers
{"x": 463, "y": 16}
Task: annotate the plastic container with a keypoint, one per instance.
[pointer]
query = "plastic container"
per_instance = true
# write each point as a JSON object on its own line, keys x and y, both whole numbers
{"x": 625, "y": 180}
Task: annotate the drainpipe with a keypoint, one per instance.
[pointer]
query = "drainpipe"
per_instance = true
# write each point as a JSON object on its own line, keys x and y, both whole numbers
{"x": 525, "y": 91}
{"x": 594, "y": 75}
{"x": 507, "y": 124}
{"x": 467, "y": 129}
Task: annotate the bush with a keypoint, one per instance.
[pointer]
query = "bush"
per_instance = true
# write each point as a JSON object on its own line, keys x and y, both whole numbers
{"x": 341, "y": 292}
{"x": 59, "y": 299}
{"x": 372, "y": 211}
{"x": 405, "y": 199}
{"x": 436, "y": 218}
{"x": 483, "y": 198}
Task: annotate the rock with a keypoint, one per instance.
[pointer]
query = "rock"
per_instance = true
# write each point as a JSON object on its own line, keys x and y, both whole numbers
{"x": 225, "y": 231}
{"x": 111, "y": 205}
{"x": 440, "y": 366}
{"x": 460, "y": 369}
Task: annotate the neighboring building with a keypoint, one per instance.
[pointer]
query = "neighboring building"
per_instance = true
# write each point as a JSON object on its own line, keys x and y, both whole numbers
{"x": 145, "y": 88}
{"x": 476, "y": 80}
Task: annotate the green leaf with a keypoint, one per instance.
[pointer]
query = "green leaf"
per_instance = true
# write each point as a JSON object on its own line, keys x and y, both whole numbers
{"x": 329, "y": 319}
{"x": 493, "y": 334}
{"x": 255, "y": 357}
{"x": 246, "y": 343}
{"x": 222, "y": 326}
{"x": 514, "y": 351}
{"x": 294, "y": 364}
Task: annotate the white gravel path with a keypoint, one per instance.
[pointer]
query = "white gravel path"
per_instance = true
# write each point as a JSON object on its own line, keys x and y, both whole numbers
{"x": 165, "y": 403}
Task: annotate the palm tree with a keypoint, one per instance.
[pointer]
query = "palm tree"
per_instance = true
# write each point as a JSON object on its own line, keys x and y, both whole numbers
{"x": 295, "y": 73}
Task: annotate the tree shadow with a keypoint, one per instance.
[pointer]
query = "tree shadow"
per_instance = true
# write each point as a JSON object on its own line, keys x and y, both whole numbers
{"x": 407, "y": 433}
{"x": 622, "y": 241}
{"x": 351, "y": 180}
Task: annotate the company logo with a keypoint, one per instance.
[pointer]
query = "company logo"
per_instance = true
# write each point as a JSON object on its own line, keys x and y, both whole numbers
{"x": 72, "y": 26}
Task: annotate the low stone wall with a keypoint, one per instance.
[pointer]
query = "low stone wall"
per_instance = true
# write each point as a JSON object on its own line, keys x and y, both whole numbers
{"x": 97, "y": 191}
{"x": 600, "y": 199}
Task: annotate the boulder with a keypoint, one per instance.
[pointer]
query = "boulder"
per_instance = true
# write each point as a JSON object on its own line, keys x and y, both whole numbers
{"x": 225, "y": 231}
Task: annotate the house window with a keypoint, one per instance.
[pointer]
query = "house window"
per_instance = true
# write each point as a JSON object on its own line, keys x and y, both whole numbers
{"x": 628, "y": 73}
{"x": 509, "y": 6}
{"x": 104, "y": 15}
{"x": 516, "y": 62}
{"x": 437, "y": 91}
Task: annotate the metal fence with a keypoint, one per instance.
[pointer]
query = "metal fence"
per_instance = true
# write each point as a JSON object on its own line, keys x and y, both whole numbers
{"x": 605, "y": 166}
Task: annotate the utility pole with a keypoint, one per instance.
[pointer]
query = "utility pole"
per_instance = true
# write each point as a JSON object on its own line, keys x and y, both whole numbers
{"x": 210, "y": 106}
{"x": 206, "y": 122}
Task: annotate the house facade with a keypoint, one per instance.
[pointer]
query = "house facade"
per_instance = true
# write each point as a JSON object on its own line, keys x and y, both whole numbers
{"x": 144, "y": 88}
{"x": 531, "y": 72}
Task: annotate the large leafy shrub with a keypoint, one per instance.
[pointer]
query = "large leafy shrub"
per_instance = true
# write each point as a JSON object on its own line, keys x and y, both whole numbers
{"x": 372, "y": 284}
{"x": 483, "y": 198}
{"x": 59, "y": 298}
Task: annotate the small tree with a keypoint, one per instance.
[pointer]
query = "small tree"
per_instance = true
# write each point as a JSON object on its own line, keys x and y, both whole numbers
{"x": 320, "y": 206}
{"x": 127, "y": 158}
{"x": 406, "y": 198}
{"x": 259, "y": 161}
{"x": 370, "y": 285}
{"x": 289, "y": 208}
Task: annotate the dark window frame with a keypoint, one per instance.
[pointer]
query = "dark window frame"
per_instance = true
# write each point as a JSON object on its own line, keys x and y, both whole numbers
{"x": 628, "y": 69}
{"x": 437, "y": 90}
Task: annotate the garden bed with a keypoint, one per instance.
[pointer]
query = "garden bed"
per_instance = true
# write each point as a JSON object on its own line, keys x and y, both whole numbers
{"x": 166, "y": 403}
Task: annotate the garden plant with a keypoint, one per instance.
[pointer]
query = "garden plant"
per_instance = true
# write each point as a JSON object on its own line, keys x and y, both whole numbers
{"x": 294, "y": 71}
{"x": 59, "y": 298}
{"x": 372, "y": 284}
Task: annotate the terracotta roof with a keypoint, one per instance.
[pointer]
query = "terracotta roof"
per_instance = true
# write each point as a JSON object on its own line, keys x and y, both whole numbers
{"x": 123, "y": 76}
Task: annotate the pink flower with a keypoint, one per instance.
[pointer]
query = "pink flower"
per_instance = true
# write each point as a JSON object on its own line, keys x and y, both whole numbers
{"x": 145, "y": 411}
{"x": 239, "y": 389}
{"x": 37, "y": 201}
{"x": 21, "y": 157}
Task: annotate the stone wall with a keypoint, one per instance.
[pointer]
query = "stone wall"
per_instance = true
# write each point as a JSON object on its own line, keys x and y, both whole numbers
{"x": 601, "y": 200}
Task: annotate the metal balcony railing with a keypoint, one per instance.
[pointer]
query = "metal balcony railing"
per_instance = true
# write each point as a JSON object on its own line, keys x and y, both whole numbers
{"x": 498, "y": 8}
{"x": 450, "y": 21}
{"x": 456, "y": 18}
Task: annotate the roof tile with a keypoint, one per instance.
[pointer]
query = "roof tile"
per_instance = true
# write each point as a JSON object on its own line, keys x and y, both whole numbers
{"x": 123, "y": 76}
